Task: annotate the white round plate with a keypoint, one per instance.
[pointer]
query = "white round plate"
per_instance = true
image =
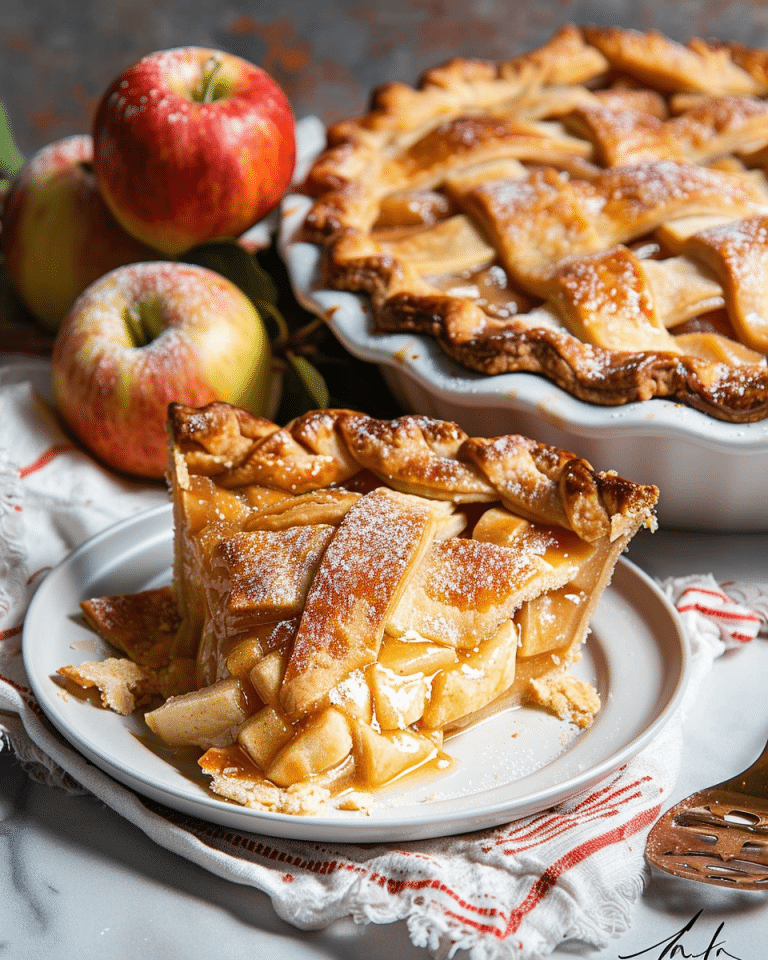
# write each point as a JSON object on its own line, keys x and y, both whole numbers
{"x": 517, "y": 762}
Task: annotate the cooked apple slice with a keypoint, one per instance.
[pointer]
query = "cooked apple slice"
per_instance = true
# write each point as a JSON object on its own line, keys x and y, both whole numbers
{"x": 408, "y": 656}
{"x": 207, "y": 717}
{"x": 266, "y": 676}
{"x": 398, "y": 701}
{"x": 258, "y": 642}
{"x": 380, "y": 757}
{"x": 324, "y": 742}
{"x": 477, "y": 679}
{"x": 263, "y": 734}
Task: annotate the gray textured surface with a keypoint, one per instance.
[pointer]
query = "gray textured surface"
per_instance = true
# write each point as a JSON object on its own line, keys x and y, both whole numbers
{"x": 57, "y": 56}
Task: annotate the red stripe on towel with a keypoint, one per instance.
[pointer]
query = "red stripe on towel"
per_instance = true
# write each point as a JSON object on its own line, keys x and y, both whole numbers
{"x": 44, "y": 459}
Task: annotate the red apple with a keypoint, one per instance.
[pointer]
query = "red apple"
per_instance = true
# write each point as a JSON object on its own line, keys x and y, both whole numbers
{"x": 192, "y": 145}
{"x": 148, "y": 334}
{"x": 57, "y": 234}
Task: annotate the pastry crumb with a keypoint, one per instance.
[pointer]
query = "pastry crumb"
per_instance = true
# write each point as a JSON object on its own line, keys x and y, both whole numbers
{"x": 357, "y": 800}
{"x": 299, "y": 799}
{"x": 122, "y": 684}
{"x": 568, "y": 698}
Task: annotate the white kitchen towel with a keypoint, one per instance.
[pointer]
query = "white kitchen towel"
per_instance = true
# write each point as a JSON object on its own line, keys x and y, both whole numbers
{"x": 510, "y": 893}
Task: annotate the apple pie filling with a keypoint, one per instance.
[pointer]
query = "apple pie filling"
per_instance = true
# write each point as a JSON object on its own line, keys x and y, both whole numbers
{"x": 347, "y": 592}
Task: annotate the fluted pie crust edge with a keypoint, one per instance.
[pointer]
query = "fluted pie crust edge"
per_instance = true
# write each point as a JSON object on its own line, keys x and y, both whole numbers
{"x": 594, "y": 211}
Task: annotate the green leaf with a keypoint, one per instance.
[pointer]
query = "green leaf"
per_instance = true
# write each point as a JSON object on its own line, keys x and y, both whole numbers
{"x": 11, "y": 159}
{"x": 304, "y": 389}
{"x": 234, "y": 262}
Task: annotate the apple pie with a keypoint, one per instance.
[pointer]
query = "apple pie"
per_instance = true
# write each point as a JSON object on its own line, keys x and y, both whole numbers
{"x": 347, "y": 592}
{"x": 594, "y": 211}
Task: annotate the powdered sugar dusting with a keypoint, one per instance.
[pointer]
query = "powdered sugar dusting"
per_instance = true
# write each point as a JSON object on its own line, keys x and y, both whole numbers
{"x": 469, "y": 573}
{"x": 269, "y": 571}
{"x": 357, "y": 581}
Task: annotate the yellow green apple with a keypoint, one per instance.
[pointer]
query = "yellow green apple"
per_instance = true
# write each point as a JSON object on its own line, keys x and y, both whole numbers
{"x": 148, "y": 334}
{"x": 58, "y": 235}
{"x": 192, "y": 144}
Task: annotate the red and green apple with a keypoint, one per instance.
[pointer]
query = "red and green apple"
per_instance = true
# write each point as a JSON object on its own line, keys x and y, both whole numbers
{"x": 58, "y": 235}
{"x": 145, "y": 335}
{"x": 192, "y": 144}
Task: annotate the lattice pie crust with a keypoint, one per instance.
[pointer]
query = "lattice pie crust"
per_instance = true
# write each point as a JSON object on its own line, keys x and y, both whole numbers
{"x": 348, "y": 591}
{"x": 595, "y": 211}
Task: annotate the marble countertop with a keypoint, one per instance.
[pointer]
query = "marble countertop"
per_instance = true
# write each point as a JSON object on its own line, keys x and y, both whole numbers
{"x": 78, "y": 880}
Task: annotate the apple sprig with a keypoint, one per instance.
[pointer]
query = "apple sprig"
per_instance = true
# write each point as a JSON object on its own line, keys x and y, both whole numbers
{"x": 303, "y": 386}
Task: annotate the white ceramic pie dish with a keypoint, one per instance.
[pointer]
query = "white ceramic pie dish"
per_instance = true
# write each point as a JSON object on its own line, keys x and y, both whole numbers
{"x": 711, "y": 474}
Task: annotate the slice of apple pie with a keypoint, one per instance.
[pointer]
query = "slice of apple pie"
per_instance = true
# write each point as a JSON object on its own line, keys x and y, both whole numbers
{"x": 352, "y": 590}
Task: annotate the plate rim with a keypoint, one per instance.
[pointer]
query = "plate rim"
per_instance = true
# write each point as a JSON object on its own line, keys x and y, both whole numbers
{"x": 355, "y": 828}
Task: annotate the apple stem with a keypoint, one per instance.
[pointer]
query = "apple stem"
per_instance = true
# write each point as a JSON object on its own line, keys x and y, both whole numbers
{"x": 133, "y": 328}
{"x": 87, "y": 168}
{"x": 143, "y": 324}
{"x": 210, "y": 76}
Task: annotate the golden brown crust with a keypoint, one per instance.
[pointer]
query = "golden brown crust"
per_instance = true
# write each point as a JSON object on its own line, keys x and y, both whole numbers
{"x": 603, "y": 145}
{"x": 122, "y": 685}
{"x": 141, "y": 625}
{"x": 418, "y": 454}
